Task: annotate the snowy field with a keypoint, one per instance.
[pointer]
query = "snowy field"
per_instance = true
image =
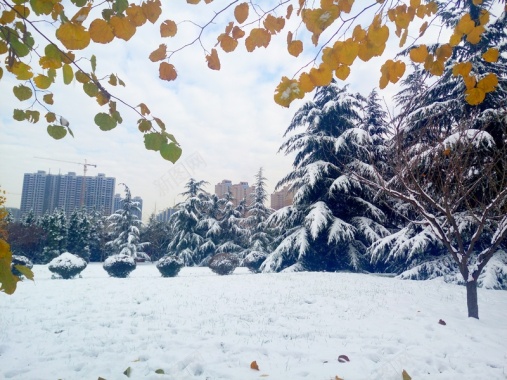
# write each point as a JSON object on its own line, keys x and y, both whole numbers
{"x": 203, "y": 326}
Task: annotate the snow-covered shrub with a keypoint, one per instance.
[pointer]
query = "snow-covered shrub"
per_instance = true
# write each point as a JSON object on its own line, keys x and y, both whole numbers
{"x": 223, "y": 263}
{"x": 20, "y": 260}
{"x": 119, "y": 265}
{"x": 67, "y": 265}
{"x": 254, "y": 260}
{"x": 169, "y": 266}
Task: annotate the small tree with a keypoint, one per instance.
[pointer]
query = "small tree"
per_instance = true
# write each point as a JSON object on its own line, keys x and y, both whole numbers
{"x": 78, "y": 234}
{"x": 125, "y": 226}
{"x": 55, "y": 228}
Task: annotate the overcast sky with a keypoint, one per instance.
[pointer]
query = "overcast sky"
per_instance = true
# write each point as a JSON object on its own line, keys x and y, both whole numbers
{"x": 226, "y": 121}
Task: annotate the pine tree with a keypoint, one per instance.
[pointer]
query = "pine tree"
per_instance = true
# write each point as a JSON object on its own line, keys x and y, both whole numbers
{"x": 260, "y": 235}
{"x": 98, "y": 237}
{"x": 125, "y": 226}
{"x": 55, "y": 228}
{"x": 187, "y": 241}
{"x": 158, "y": 234}
{"x": 332, "y": 220}
{"x": 78, "y": 234}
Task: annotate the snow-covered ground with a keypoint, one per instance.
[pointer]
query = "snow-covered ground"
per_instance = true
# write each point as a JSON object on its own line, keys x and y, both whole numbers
{"x": 203, "y": 326}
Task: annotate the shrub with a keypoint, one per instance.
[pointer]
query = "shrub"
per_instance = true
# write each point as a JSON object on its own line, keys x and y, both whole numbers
{"x": 223, "y": 263}
{"x": 67, "y": 265}
{"x": 254, "y": 260}
{"x": 169, "y": 266}
{"x": 119, "y": 265}
{"x": 20, "y": 260}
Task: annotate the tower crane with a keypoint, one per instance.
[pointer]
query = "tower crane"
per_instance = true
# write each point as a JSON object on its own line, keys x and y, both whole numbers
{"x": 85, "y": 169}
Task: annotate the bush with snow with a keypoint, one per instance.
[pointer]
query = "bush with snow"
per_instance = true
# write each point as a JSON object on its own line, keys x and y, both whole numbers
{"x": 254, "y": 260}
{"x": 20, "y": 260}
{"x": 67, "y": 265}
{"x": 119, "y": 265}
{"x": 223, "y": 263}
{"x": 169, "y": 266}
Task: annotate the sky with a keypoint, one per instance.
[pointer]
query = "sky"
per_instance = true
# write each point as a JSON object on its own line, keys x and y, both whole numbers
{"x": 226, "y": 121}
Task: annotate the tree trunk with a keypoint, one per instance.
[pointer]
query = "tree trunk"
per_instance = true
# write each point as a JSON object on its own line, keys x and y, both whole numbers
{"x": 472, "y": 304}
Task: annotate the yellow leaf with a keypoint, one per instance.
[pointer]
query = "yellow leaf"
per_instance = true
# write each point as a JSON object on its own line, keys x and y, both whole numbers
{"x": 144, "y": 109}
{"x": 455, "y": 39}
{"x": 68, "y": 73}
{"x": 405, "y": 376}
{"x": 469, "y": 81}
{"x": 3, "y": 47}
{"x": 396, "y": 71}
{"x": 193, "y": 2}
{"x": 475, "y": 35}
{"x": 159, "y": 54}
{"x": 50, "y": 117}
{"x": 305, "y": 83}
{"x": 475, "y": 96}
{"x": 491, "y": 55}
{"x": 136, "y": 15}
{"x": 436, "y": 68}
{"x": 359, "y": 33}
{"x": 258, "y": 37}
{"x": 274, "y": 24}
{"x": 415, "y": 3}
{"x": 7, "y": 17}
{"x": 348, "y": 53}
{"x": 152, "y": 10}
{"x": 477, "y": 2}
{"x": 462, "y": 68}
{"x": 403, "y": 38}
{"x": 168, "y": 28}
{"x": 295, "y": 48}
{"x": 41, "y": 81}
{"x": 48, "y": 98}
{"x": 46, "y": 62}
{"x": 488, "y": 83}
{"x": 82, "y": 77}
{"x": 423, "y": 28}
{"x": 7, "y": 280}
{"x": 73, "y": 36}
{"x": 287, "y": 91}
{"x": 484, "y": 17}
{"x": 21, "y": 70}
{"x": 213, "y": 60}
{"x": 122, "y": 27}
{"x": 317, "y": 20}
{"x": 321, "y": 76}
{"x": 419, "y": 54}
{"x": 81, "y": 15}
{"x": 241, "y": 12}
{"x": 21, "y": 11}
{"x": 101, "y": 32}
{"x": 465, "y": 24}
{"x": 342, "y": 72}
{"x": 227, "y": 43}
{"x": 167, "y": 71}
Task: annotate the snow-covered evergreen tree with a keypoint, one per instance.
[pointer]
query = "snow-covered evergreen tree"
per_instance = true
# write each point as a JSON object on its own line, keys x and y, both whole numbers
{"x": 333, "y": 218}
{"x": 232, "y": 233}
{"x": 125, "y": 226}
{"x": 55, "y": 228}
{"x": 158, "y": 234}
{"x": 187, "y": 240}
{"x": 98, "y": 236}
{"x": 78, "y": 234}
{"x": 260, "y": 234}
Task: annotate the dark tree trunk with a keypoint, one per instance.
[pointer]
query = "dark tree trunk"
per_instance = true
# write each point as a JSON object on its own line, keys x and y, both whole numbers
{"x": 472, "y": 304}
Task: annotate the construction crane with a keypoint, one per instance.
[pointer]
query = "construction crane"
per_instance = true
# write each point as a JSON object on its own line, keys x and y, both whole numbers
{"x": 85, "y": 169}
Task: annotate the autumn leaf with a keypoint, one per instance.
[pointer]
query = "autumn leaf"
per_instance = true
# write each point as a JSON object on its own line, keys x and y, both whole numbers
{"x": 21, "y": 70}
{"x": 317, "y": 20}
{"x": 287, "y": 91}
{"x": 475, "y": 96}
{"x": 68, "y": 74}
{"x": 48, "y": 99}
{"x": 342, "y": 72}
{"x": 167, "y": 71}
{"x": 7, "y": 280}
{"x": 274, "y": 24}
{"x": 152, "y": 10}
{"x": 136, "y": 15}
{"x": 22, "y": 92}
{"x": 101, "y": 32}
{"x": 159, "y": 54}
{"x": 144, "y": 109}
{"x": 81, "y": 15}
{"x": 465, "y": 24}
{"x": 213, "y": 60}
{"x": 241, "y": 12}
{"x": 419, "y": 54}
{"x": 254, "y": 365}
{"x": 73, "y": 36}
{"x": 475, "y": 35}
{"x": 488, "y": 83}
{"x": 57, "y": 132}
{"x": 170, "y": 152}
{"x": 122, "y": 27}
{"x": 322, "y": 75}
{"x": 295, "y": 48}
{"x": 491, "y": 55}
{"x": 168, "y": 28}
{"x": 227, "y": 43}
{"x": 237, "y": 33}
{"x": 258, "y": 37}
{"x": 144, "y": 125}
{"x": 42, "y": 81}
{"x": 443, "y": 52}
{"x": 462, "y": 68}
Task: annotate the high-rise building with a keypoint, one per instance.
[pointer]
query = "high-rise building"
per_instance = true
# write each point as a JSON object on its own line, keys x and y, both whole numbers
{"x": 118, "y": 205}
{"x": 163, "y": 216}
{"x": 43, "y": 193}
{"x": 282, "y": 198}
{"x": 238, "y": 191}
